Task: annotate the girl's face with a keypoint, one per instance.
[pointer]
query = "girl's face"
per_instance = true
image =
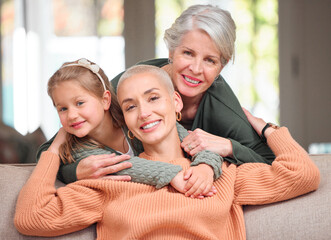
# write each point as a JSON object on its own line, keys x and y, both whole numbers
{"x": 80, "y": 112}
{"x": 149, "y": 110}
{"x": 196, "y": 63}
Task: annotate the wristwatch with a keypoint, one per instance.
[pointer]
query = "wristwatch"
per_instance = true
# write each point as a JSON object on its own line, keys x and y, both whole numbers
{"x": 272, "y": 125}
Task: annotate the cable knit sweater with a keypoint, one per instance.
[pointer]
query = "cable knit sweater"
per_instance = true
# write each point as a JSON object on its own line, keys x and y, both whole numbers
{"x": 127, "y": 210}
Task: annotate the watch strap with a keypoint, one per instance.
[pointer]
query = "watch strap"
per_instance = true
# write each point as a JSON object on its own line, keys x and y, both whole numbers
{"x": 263, "y": 138}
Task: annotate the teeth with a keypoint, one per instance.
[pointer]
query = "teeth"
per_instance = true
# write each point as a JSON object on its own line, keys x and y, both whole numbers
{"x": 191, "y": 81}
{"x": 150, "y": 125}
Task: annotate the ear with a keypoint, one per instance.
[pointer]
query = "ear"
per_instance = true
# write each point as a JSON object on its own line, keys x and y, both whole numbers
{"x": 178, "y": 102}
{"x": 106, "y": 100}
{"x": 171, "y": 54}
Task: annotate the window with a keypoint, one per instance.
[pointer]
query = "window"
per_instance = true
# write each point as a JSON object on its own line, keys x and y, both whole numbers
{"x": 39, "y": 38}
{"x": 253, "y": 75}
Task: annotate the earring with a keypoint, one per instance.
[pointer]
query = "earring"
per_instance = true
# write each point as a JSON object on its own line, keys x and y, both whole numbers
{"x": 130, "y": 135}
{"x": 169, "y": 60}
{"x": 178, "y": 116}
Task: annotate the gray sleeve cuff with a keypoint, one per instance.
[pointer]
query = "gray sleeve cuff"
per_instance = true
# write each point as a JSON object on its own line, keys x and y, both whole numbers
{"x": 210, "y": 158}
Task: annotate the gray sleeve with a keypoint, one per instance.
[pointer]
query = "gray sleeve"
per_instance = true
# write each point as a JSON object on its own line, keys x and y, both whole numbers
{"x": 210, "y": 158}
{"x": 155, "y": 173}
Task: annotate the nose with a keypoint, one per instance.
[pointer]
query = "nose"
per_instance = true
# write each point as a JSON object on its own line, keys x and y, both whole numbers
{"x": 72, "y": 113}
{"x": 196, "y": 66}
{"x": 144, "y": 111}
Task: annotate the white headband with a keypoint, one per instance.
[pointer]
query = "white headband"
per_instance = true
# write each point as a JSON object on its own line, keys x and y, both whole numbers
{"x": 83, "y": 62}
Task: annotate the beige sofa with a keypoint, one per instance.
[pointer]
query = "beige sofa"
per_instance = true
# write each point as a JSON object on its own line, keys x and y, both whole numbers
{"x": 305, "y": 217}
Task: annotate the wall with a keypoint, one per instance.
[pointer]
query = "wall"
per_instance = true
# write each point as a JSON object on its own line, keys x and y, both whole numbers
{"x": 305, "y": 69}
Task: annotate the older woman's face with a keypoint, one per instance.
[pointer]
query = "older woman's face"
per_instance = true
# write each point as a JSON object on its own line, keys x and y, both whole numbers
{"x": 196, "y": 63}
{"x": 148, "y": 108}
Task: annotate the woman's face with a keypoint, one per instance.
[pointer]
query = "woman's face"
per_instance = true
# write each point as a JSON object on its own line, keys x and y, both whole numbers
{"x": 148, "y": 108}
{"x": 196, "y": 63}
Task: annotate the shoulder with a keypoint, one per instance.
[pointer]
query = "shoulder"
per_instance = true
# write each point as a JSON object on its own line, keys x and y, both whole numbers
{"x": 158, "y": 62}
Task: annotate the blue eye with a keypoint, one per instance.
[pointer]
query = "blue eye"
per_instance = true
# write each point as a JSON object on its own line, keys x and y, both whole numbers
{"x": 62, "y": 109}
{"x": 80, "y": 103}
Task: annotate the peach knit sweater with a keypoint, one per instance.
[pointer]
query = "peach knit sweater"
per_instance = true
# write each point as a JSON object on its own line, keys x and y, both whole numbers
{"x": 127, "y": 210}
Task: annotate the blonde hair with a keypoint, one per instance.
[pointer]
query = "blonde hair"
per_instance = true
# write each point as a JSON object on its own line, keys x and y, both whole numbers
{"x": 216, "y": 22}
{"x": 161, "y": 74}
{"x": 82, "y": 75}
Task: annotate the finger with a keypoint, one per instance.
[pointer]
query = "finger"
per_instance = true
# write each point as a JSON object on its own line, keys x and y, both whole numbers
{"x": 188, "y": 173}
{"x": 109, "y": 160}
{"x": 209, "y": 194}
{"x": 207, "y": 189}
{"x": 118, "y": 177}
{"x": 196, "y": 189}
{"x": 116, "y": 168}
{"x": 190, "y": 183}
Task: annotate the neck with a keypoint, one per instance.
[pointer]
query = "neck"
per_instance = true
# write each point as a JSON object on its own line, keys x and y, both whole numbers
{"x": 107, "y": 134}
{"x": 167, "y": 149}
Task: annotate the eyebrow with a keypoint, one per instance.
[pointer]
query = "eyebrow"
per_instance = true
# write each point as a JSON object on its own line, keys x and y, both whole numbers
{"x": 145, "y": 93}
{"x": 211, "y": 56}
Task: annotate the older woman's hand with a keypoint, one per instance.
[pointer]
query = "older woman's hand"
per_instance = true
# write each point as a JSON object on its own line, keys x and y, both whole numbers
{"x": 199, "y": 140}
{"x": 99, "y": 166}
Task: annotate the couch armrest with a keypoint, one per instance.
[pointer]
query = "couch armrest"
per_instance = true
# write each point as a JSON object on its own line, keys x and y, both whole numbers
{"x": 306, "y": 217}
{"x": 12, "y": 179}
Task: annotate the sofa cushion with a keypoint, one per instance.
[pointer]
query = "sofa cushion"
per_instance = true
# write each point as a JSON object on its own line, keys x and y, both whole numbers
{"x": 306, "y": 217}
{"x": 12, "y": 179}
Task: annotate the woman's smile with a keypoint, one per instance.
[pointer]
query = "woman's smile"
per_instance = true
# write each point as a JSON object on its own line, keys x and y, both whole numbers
{"x": 150, "y": 125}
{"x": 191, "y": 81}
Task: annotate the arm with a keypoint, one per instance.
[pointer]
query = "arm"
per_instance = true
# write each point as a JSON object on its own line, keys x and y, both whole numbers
{"x": 291, "y": 174}
{"x": 221, "y": 115}
{"x": 205, "y": 156}
{"x": 101, "y": 162}
{"x": 43, "y": 210}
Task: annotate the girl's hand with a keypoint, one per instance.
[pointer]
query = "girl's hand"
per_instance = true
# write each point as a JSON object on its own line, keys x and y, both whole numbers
{"x": 199, "y": 140}
{"x": 59, "y": 139}
{"x": 178, "y": 182}
{"x": 99, "y": 166}
{"x": 199, "y": 181}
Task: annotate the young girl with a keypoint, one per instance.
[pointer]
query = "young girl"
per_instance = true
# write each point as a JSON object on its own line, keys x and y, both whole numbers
{"x": 127, "y": 210}
{"x": 89, "y": 112}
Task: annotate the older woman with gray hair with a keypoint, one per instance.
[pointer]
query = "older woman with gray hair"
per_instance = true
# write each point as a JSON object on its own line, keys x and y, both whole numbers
{"x": 201, "y": 43}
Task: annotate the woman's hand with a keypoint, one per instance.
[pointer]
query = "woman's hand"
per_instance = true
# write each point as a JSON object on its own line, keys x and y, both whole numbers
{"x": 59, "y": 139}
{"x": 199, "y": 140}
{"x": 99, "y": 166}
{"x": 258, "y": 124}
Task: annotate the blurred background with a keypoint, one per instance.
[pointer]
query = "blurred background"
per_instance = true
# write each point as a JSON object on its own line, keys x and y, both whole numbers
{"x": 281, "y": 69}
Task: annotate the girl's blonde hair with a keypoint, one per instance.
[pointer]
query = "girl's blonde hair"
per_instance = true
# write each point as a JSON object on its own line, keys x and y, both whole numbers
{"x": 90, "y": 81}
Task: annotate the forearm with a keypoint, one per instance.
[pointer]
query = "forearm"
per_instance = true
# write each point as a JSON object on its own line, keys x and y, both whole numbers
{"x": 243, "y": 154}
{"x": 207, "y": 157}
{"x": 153, "y": 173}
{"x": 42, "y": 210}
{"x": 292, "y": 173}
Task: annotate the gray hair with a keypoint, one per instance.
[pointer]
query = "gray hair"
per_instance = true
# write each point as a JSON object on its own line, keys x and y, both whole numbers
{"x": 216, "y": 22}
{"x": 161, "y": 74}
